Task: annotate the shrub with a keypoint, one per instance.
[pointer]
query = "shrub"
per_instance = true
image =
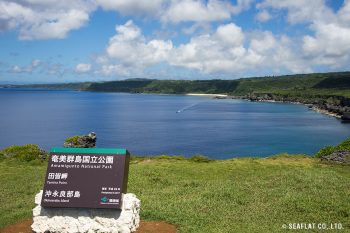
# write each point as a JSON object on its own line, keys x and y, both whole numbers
{"x": 325, "y": 151}
{"x": 200, "y": 159}
{"x": 169, "y": 157}
{"x": 73, "y": 140}
{"x": 2, "y": 156}
{"x": 26, "y": 153}
{"x": 345, "y": 145}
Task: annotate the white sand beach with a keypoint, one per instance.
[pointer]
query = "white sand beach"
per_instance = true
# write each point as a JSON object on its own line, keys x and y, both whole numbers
{"x": 213, "y": 95}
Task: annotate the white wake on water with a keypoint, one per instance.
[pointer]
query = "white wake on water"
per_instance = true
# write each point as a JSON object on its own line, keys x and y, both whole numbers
{"x": 187, "y": 107}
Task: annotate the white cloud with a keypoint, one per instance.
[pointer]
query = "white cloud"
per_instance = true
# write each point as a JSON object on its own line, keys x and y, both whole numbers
{"x": 50, "y": 19}
{"x": 82, "y": 68}
{"x": 194, "y": 10}
{"x": 329, "y": 42}
{"x": 131, "y": 48}
{"x": 329, "y": 46}
{"x": 344, "y": 13}
{"x": 227, "y": 50}
{"x": 263, "y": 16}
{"x": 40, "y": 19}
{"x": 36, "y": 63}
{"x": 230, "y": 34}
{"x": 221, "y": 51}
{"x": 133, "y": 7}
{"x": 300, "y": 11}
{"x": 214, "y": 53}
{"x": 202, "y": 11}
{"x": 18, "y": 69}
{"x": 56, "y": 69}
{"x": 115, "y": 69}
{"x": 262, "y": 41}
{"x": 26, "y": 69}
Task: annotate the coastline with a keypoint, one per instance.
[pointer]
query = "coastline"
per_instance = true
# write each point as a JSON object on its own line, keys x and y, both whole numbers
{"x": 328, "y": 113}
{"x": 310, "y": 106}
{"x": 208, "y": 95}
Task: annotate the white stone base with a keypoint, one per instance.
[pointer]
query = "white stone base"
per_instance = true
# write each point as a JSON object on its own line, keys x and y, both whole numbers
{"x": 80, "y": 220}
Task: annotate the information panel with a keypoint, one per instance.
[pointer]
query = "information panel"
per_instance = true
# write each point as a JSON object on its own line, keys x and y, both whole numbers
{"x": 86, "y": 178}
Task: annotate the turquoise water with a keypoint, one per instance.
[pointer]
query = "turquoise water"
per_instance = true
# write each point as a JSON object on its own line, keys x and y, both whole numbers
{"x": 165, "y": 124}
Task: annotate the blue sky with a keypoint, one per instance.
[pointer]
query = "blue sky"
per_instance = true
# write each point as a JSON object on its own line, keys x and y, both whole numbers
{"x": 48, "y": 41}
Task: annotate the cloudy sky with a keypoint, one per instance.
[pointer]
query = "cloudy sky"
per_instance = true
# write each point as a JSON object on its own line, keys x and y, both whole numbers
{"x": 49, "y": 41}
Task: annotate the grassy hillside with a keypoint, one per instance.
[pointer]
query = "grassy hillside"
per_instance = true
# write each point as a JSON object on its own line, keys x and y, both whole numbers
{"x": 318, "y": 83}
{"x": 119, "y": 86}
{"x": 310, "y": 86}
{"x": 237, "y": 195}
{"x": 196, "y": 86}
{"x": 166, "y": 86}
{"x": 292, "y": 83}
{"x": 337, "y": 83}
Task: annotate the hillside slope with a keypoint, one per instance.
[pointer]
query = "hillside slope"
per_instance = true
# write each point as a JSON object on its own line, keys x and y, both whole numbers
{"x": 335, "y": 83}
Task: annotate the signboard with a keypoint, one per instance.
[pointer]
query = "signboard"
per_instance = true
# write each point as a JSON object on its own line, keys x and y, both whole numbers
{"x": 86, "y": 178}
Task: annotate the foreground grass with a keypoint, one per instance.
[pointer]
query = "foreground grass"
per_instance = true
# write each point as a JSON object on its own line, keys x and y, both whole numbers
{"x": 238, "y": 195}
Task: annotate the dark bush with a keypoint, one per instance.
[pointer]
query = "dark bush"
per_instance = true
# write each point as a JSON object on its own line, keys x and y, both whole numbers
{"x": 200, "y": 159}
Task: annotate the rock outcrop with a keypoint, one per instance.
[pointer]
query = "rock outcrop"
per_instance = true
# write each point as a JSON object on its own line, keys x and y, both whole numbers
{"x": 346, "y": 116}
{"x": 337, "y": 106}
{"x": 85, "y": 141}
{"x": 341, "y": 156}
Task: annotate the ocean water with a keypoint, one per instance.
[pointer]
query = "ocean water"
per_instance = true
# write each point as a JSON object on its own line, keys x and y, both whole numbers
{"x": 165, "y": 124}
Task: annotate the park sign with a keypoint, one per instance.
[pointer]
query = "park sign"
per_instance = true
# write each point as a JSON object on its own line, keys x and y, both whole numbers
{"x": 86, "y": 178}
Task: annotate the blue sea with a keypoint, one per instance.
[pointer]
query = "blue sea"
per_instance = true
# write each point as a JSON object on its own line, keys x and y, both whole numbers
{"x": 148, "y": 124}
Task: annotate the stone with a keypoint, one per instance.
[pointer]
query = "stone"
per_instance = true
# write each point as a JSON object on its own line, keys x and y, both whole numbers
{"x": 85, "y": 141}
{"x": 346, "y": 116}
{"x": 81, "y": 220}
{"x": 341, "y": 156}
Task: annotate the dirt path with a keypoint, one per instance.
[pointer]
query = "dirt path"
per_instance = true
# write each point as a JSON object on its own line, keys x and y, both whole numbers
{"x": 145, "y": 227}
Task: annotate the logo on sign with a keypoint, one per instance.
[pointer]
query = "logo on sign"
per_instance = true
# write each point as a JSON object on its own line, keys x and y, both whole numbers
{"x": 104, "y": 199}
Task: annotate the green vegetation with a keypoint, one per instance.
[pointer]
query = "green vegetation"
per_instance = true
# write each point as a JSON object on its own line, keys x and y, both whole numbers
{"x": 200, "y": 159}
{"x": 311, "y": 85}
{"x": 318, "y": 84}
{"x": 345, "y": 145}
{"x": 202, "y": 195}
{"x": 242, "y": 195}
{"x": 165, "y": 86}
{"x": 19, "y": 181}
{"x": 119, "y": 86}
{"x": 73, "y": 140}
{"x": 27, "y": 153}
